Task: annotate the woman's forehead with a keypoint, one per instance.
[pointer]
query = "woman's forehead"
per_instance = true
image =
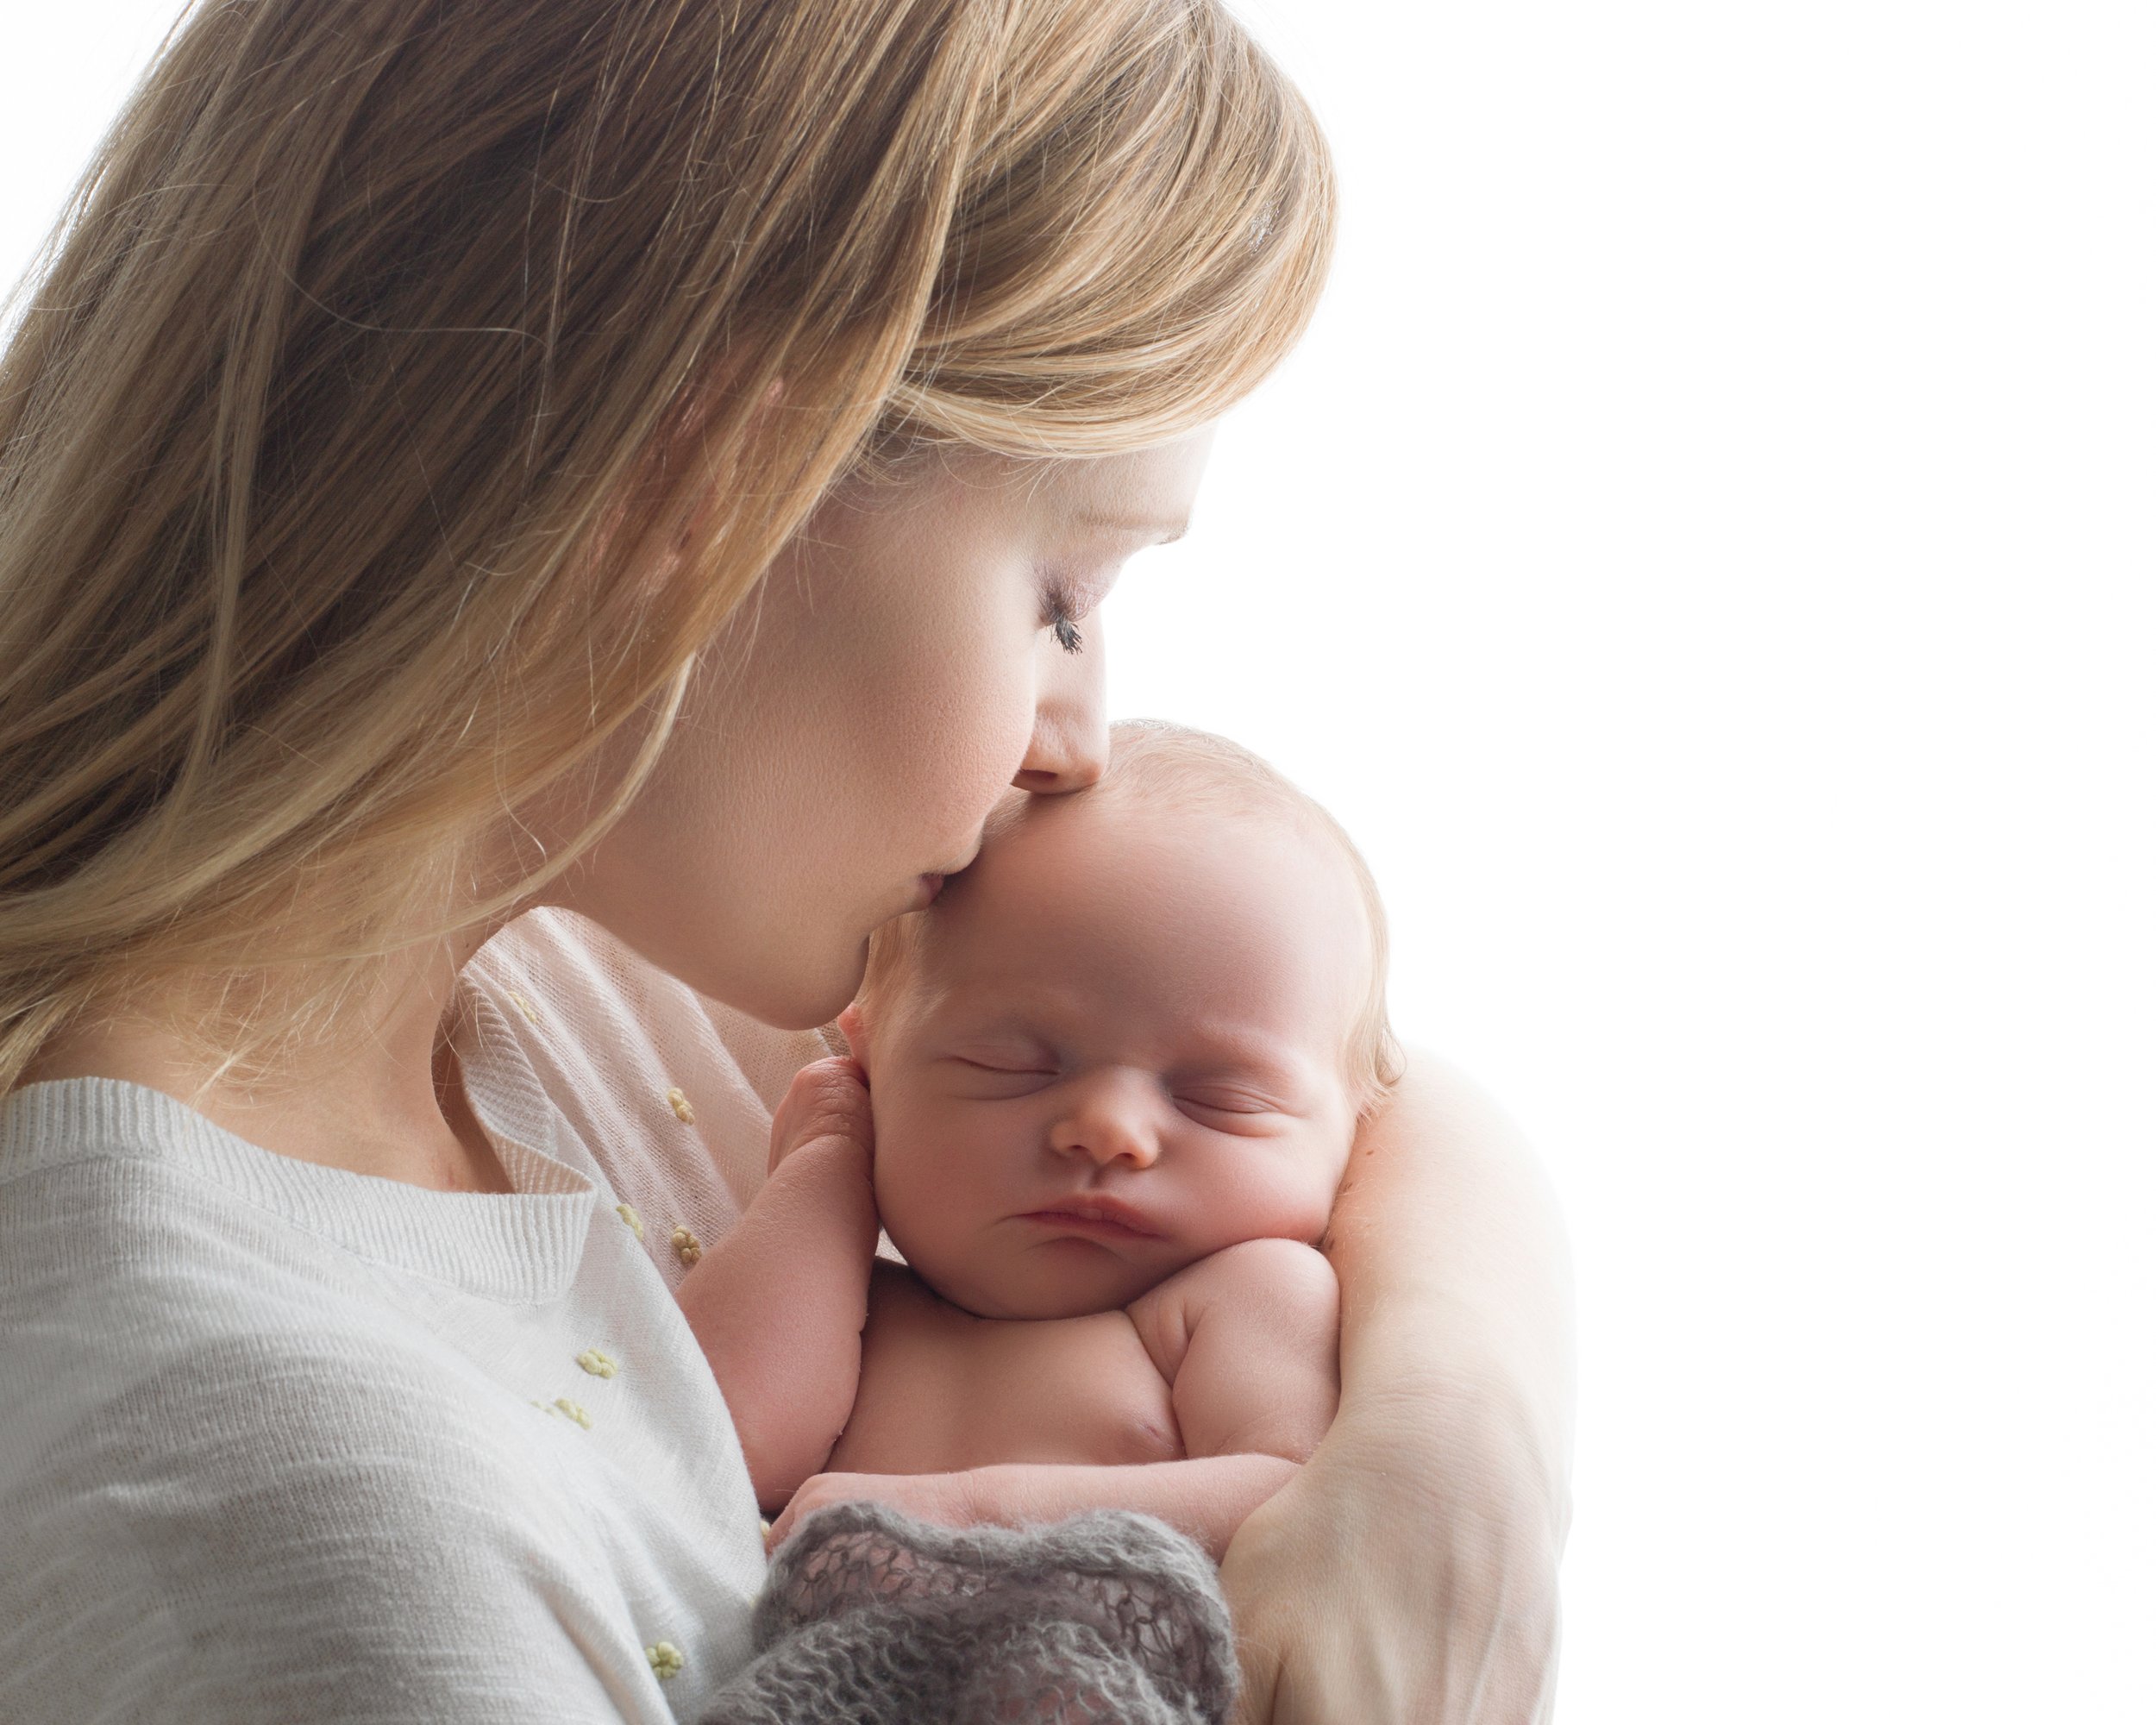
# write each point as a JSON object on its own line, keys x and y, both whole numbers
{"x": 1144, "y": 494}
{"x": 1152, "y": 488}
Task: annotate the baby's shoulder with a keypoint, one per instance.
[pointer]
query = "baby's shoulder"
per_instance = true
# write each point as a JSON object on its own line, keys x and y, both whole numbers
{"x": 1277, "y": 1290}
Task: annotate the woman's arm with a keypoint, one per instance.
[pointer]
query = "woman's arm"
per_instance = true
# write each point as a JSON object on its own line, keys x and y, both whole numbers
{"x": 1207, "y": 1497}
{"x": 1408, "y": 1571}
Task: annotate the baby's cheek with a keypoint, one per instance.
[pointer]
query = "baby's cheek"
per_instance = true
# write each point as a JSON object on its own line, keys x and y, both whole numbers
{"x": 1298, "y": 1207}
{"x": 924, "y": 1193}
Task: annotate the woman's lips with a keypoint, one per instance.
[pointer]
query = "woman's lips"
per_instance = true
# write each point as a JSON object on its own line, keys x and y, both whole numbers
{"x": 1101, "y": 1218}
{"x": 930, "y": 885}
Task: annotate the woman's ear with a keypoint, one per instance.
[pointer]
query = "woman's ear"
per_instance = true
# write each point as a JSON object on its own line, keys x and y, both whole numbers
{"x": 854, "y": 1028}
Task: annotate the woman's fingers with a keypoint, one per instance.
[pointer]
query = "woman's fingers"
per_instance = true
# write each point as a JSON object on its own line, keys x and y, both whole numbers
{"x": 828, "y": 1098}
{"x": 926, "y": 1497}
{"x": 1397, "y": 1580}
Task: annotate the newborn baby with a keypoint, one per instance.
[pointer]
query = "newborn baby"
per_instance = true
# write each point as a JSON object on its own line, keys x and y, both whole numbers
{"x": 1116, "y": 1069}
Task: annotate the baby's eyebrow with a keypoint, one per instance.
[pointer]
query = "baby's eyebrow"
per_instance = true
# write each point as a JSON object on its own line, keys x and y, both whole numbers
{"x": 1228, "y": 1055}
{"x": 1004, "y": 1021}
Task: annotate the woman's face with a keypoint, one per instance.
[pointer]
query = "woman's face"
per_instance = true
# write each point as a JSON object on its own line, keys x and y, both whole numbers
{"x": 916, "y": 648}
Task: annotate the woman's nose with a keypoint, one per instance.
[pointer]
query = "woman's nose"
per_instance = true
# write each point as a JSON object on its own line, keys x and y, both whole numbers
{"x": 1105, "y": 1127}
{"x": 1068, "y": 749}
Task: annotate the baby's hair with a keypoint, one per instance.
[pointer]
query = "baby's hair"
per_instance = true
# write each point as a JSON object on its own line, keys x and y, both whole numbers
{"x": 1182, "y": 770}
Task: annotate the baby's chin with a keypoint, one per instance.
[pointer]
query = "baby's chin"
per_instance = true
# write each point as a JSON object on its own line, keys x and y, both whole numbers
{"x": 1039, "y": 1292}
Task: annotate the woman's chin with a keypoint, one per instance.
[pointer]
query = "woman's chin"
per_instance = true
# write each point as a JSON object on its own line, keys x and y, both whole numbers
{"x": 808, "y": 1002}
{"x": 806, "y": 994}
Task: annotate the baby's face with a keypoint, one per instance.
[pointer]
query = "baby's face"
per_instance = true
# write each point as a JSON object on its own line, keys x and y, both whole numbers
{"x": 1119, "y": 1049}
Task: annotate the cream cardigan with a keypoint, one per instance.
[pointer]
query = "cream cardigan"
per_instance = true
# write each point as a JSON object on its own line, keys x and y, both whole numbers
{"x": 281, "y": 1442}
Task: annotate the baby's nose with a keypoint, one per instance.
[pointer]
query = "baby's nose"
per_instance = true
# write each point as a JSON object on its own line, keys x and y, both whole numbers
{"x": 1107, "y": 1129}
{"x": 1109, "y": 1147}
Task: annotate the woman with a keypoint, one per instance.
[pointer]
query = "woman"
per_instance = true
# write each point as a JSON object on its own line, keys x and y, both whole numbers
{"x": 629, "y": 479}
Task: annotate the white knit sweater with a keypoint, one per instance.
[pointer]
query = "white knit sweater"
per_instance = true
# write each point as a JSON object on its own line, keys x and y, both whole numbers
{"x": 280, "y": 1442}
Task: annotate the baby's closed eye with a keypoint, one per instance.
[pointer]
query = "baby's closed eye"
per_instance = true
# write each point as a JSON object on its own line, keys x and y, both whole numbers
{"x": 997, "y": 1076}
{"x": 1227, "y": 1101}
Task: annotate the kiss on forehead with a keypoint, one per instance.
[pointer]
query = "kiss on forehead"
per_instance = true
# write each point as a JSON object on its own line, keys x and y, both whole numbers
{"x": 1113, "y": 1073}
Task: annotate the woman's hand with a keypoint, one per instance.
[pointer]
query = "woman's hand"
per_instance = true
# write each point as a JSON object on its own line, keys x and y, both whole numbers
{"x": 1407, "y": 1574}
{"x": 939, "y": 1497}
{"x": 828, "y": 1098}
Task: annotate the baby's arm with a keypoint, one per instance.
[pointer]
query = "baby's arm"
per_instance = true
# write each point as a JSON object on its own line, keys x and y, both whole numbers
{"x": 779, "y": 1302}
{"x": 1249, "y": 1341}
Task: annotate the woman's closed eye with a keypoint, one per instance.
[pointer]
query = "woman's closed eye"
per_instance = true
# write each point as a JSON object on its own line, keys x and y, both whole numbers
{"x": 1059, "y": 612}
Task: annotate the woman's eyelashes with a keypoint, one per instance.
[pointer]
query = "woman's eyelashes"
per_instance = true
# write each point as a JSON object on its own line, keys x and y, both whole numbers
{"x": 1059, "y": 616}
{"x": 1067, "y": 598}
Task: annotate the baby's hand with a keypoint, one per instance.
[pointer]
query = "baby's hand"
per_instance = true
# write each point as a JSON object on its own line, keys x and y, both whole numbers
{"x": 829, "y": 1099}
{"x": 939, "y": 1497}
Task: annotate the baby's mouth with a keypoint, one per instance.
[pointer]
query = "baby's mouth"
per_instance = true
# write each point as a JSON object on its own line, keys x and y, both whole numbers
{"x": 1103, "y": 1218}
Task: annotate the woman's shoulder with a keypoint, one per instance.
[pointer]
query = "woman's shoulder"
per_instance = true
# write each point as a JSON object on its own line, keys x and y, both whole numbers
{"x": 265, "y": 1462}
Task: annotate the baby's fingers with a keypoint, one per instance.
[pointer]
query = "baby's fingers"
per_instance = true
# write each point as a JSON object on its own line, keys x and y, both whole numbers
{"x": 828, "y": 1098}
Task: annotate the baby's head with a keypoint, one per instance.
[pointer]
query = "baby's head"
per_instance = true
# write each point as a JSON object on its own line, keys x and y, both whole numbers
{"x": 1140, "y": 1028}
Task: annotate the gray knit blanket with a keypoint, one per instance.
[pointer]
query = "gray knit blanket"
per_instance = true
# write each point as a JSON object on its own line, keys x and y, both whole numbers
{"x": 872, "y": 1618}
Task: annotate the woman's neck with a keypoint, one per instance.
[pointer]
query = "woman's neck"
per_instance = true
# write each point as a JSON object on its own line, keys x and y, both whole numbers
{"x": 387, "y": 1099}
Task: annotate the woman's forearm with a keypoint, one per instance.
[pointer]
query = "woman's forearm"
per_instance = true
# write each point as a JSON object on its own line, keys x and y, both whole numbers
{"x": 1456, "y": 1295}
{"x": 1409, "y": 1570}
{"x": 1207, "y": 1497}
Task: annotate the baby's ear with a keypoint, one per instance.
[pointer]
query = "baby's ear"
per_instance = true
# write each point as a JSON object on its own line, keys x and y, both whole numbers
{"x": 855, "y": 1029}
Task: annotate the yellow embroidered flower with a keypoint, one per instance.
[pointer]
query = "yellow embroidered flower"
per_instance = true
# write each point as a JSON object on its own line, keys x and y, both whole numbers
{"x": 666, "y": 1660}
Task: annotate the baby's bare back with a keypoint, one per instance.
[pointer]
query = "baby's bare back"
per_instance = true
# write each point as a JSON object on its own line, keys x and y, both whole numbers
{"x": 942, "y": 1390}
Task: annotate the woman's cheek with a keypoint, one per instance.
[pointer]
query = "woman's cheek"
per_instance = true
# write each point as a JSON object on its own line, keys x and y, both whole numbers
{"x": 978, "y": 725}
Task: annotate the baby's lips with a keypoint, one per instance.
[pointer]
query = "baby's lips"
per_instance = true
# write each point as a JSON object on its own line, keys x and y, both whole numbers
{"x": 1126, "y": 1220}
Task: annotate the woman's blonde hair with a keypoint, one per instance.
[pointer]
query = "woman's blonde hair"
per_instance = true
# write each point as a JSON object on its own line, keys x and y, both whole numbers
{"x": 409, "y": 392}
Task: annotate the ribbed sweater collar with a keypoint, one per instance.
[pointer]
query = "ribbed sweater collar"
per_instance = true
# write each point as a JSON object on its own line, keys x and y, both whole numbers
{"x": 520, "y": 1247}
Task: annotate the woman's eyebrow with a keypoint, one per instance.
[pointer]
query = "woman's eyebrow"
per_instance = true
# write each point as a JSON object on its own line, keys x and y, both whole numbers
{"x": 1164, "y": 529}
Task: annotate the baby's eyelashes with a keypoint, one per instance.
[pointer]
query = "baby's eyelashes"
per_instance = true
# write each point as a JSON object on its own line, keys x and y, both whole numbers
{"x": 1000, "y": 1075}
{"x": 1238, "y": 1122}
{"x": 1006, "y": 1063}
{"x": 1225, "y": 1103}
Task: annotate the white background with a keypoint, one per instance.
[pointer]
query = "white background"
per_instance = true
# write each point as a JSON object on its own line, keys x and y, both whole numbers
{"x": 1704, "y": 552}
